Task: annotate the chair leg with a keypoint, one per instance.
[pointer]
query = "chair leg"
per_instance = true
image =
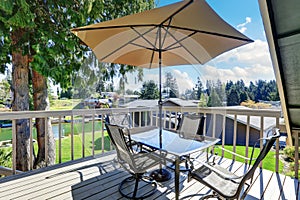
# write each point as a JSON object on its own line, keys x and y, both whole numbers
{"x": 126, "y": 185}
{"x": 213, "y": 195}
{"x": 136, "y": 186}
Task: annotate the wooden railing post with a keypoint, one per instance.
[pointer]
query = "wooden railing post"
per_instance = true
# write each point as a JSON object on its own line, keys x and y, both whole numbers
{"x": 223, "y": 133}
{"x": 46, "y": 140}
{"x": 14, "y": 146}
{"x": 93, "y": 134}
{"x": 82, "y": 141}
{"x": 59, "y": 138}
{"x": 296, "y": 135}
{"x": 277, "y": 148}
{"x": 247, "y": 138}
{"x": 31, "y": 145}
{"x": 261, "y": 135}
{"x": 234, "y": 136}
{"x": 72, "y": 137}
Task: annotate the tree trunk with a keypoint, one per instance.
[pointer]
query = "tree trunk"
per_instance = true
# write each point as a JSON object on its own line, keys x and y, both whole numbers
{"x": 41, "y": 102}
{"x": 20, "y": 88}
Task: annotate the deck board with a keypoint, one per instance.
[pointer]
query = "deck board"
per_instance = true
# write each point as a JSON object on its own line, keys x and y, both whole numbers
{"x": 99, "y": 178}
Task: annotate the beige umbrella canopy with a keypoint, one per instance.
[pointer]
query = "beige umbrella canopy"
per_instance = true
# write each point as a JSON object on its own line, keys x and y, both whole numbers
{"x": 184, "y": 33}
{"x": 187, "y": 32}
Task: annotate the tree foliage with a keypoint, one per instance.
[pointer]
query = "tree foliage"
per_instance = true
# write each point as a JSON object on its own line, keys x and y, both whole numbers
{"x": 170, "y": 86}
{"x": 258, "y": 91}
{"x": 149, "y": 90}
{"x": 198, "y": 89}
{"x": 35, "y": 37}
{"x": 55, "y": 52}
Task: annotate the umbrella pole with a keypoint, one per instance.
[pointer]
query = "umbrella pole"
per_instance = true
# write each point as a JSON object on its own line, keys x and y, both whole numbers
{"x": 160, "y": 174}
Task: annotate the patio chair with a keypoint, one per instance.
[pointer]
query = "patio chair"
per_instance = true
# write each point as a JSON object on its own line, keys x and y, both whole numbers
{"x": 121, "y": 119}
{"x": 136, "y": 164}
{"x": 226, "y": 184}
{"x": 190, "y": 126}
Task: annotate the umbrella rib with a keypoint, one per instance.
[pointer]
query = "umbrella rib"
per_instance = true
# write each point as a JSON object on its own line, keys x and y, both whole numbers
{"x": 142, "y": 36}
{"x": 129, "y": 42}
{"x": 153, "y": 45}
{"x": 178, "y": 41}
{"x": 176, "y": 12}
{"x": 167, "y": 31}
{"x": 180, "y": 45}
{"x": 146, "y": 25}
{"x": 213, "y": 33}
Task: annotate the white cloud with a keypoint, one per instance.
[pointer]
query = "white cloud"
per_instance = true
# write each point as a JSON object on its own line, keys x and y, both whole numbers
{"x": 250, "y": 63}
{"x": 184, "y": 81}
{"x": 242, "y": 27}
{"x": 251, "y": 73}
{"x": 250, "y": 54}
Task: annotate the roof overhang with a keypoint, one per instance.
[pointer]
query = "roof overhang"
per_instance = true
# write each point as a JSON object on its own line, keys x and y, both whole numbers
{"x": 282, "y": 27}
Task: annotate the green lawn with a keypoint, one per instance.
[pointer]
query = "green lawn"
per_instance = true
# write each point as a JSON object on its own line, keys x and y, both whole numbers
{"x": 66, "y": 146}
{"x": 6, "y": 134}
{"x": 268, "y": 162}
{"x": 65, "y": 104}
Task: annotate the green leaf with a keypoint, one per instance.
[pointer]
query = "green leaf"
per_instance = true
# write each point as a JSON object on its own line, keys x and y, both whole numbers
{"x": 7, "y": 6}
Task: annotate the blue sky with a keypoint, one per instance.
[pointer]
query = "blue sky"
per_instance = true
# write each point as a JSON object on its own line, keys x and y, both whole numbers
{"x": 250, "y": 62}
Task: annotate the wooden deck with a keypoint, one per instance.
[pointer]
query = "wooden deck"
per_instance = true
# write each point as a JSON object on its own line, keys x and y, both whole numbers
{"x": 98, "y": 178}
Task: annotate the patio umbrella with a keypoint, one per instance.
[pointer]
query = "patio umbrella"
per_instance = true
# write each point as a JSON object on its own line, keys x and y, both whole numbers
{"x": 183, "y": 33}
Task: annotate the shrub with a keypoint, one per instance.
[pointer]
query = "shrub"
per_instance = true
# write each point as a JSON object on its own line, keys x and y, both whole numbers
{"x": 289, "y": 153}
{"x": 6, "y": 157}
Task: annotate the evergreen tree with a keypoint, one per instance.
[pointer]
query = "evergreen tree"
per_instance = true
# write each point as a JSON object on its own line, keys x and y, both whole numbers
{"x": 149, "y": 90}
{"x": 233, "y": 97}
{"x": 170, "y": 86}
{"x": 198, "y": 89}
{"x": 214, "y": 99}
{"x": 252, "y": 90}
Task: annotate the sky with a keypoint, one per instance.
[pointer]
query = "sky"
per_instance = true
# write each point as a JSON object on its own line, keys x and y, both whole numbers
{"x": 250, "y": 62}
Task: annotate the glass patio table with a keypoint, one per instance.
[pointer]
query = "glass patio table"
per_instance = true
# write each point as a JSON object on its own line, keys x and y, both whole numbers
{"x": 174, "y": 144}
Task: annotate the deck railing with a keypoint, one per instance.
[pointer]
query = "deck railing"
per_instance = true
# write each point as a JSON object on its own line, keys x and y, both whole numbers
{"x": 89, "y": 125}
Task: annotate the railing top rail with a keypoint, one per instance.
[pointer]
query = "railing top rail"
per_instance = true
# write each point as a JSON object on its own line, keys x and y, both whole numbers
{"x": 41, "y": 114}
{"x": 226, "y": 110}
{"x": 212, "y": 110}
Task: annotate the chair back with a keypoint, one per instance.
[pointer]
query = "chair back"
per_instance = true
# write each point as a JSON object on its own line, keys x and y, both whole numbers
{"x": 121, "y": 119}
{"x": 191, "y": 125}
{"x": 270, "y": 140}
{"x": 119, "y": 141}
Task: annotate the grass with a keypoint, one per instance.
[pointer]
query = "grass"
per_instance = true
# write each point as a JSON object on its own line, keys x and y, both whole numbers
{"x": 268, "y": 162}
{"x": 64, "y": 104}
{"x": 66, "y": 146}
{"x": 6, "y": 134}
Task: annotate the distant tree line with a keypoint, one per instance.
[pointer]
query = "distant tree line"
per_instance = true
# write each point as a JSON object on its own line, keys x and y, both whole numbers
{"x": 216, "y": 93}
{"x": 234, "y": 93}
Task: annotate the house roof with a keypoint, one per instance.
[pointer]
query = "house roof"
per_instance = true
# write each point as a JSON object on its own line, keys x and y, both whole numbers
{"x": 167, "y": 102}
{"x": 180, "y": 102}
{"x": 141, "y": 103}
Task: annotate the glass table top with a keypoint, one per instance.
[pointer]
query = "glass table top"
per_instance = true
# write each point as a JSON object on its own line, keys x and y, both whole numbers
{"x": 174, "y": 143}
